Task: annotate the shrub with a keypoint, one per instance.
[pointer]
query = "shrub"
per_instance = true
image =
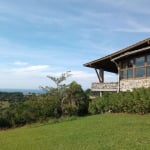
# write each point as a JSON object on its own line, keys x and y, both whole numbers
{"x": 137, "y": 101}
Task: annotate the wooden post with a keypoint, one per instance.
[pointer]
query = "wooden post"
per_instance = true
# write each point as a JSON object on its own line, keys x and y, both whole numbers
{"x": 100, "y": 75}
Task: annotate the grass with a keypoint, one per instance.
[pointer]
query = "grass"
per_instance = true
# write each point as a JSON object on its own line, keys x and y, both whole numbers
{"x": 99, "y": 132}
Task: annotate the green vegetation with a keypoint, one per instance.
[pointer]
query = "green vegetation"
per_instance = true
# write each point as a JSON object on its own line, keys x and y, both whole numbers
{"x": 99, "y": 132}
{"x": 11, "y": 96}
{"x": 137, "y": 101}
{"x": 57, "y": 126}
{"x": 64, "y": 100}
{"x": 4, "y": 104}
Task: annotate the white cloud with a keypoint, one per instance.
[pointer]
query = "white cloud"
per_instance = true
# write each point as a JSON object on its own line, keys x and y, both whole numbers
{"x": 20, "y": 63}
{"x": 31, "y": 76}
{"x": 86, "y": 78}
{"x": 35, "y": 68}
{"x": 82, "y": 75}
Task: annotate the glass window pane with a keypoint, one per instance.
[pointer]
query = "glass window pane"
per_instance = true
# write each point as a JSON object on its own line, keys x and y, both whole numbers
{"x": 148, "y": 71}
{"x": 148, "y": 59}
{"x": 130, "y": 63}
{"x": 124, "y": 74}
{"x": 130, "y": 73}
{"x": 140, "y": 61}
{"x": 140, "y": 72}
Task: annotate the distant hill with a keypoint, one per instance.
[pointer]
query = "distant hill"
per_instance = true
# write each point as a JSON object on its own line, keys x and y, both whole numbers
{"x": 24, "y": 91}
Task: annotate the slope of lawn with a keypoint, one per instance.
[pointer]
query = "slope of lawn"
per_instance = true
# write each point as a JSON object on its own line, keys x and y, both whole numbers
{"x": 99, "y": 132}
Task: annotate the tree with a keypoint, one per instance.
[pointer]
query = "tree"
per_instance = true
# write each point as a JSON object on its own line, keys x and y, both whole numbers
{"x": 76, "y": 100}
{"x": 58, "y": 93}
{"x": 70, "y": 99}
{"x": 59, "y": 80}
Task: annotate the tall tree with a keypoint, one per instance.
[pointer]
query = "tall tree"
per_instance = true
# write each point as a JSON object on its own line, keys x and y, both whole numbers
{"x": 60, "y": 91}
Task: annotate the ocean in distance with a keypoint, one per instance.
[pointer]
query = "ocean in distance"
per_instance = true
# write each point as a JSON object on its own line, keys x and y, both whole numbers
{"x": 24, "y": 91}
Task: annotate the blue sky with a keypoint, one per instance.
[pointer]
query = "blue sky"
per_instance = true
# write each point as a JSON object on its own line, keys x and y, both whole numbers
{"x": 48, "y": 37}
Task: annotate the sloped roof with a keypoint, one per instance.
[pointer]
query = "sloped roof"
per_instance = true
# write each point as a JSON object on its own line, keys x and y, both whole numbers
{"x": 106, "y": 63}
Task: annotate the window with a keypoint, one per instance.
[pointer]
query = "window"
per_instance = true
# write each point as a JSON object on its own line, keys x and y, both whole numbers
{"x": 148, "y": 59}
{"x": 148, "y": 65}
{"x": 130, "y": 73}
{"x": 140, "y": 72}
{"x": 124, "y": 65}
{"x": 140, "y": 61}
{"x": 130, "y": 63}
{"x": 123, "y": 74}
{"x": 127, "y": 69}
{"x": 136, "y": 67}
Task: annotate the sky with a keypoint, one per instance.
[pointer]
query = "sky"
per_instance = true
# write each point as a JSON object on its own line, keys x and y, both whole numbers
{"x": 49, "y": 37}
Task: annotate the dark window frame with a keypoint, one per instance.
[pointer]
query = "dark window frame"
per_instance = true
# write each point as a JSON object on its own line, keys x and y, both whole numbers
{"x": 128, "y": 68}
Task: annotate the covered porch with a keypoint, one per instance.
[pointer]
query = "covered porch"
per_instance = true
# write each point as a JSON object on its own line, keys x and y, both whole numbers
{"x": 105, "y": 86}
{"x": 101, "y": 66}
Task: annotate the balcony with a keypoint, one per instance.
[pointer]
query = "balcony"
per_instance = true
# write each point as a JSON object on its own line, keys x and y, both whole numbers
{"x": 110, "y": 86}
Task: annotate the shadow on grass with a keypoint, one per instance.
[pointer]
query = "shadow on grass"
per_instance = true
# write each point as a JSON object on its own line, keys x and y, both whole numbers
{"x": 53, "y": 121}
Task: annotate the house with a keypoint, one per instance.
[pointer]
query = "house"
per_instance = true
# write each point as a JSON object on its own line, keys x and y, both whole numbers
{"x": 131, "y": 64}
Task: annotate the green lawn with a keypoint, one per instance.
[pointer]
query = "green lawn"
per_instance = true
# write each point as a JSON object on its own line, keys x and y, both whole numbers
{"x": 99, "y": 132}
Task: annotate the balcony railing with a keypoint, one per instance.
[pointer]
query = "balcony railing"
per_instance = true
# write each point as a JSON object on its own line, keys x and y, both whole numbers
{"x": 110, "y": 86}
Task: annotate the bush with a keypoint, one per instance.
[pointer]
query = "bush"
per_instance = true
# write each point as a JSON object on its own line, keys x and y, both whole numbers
{"x": 137, "y": 101}
{"x": 67, "y": 100}
{"x": 4, "y": 123}
{"x": 70, "y": 110}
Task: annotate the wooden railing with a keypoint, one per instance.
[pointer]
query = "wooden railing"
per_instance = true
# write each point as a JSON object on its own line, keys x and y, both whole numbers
{"x": 109, "y": 86}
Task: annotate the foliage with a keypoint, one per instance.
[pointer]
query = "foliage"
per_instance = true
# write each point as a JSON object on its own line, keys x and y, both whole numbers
{"x": 137, "y": 101}
{"x": 11, "y": 96}
{"x": 76, "y": 100}
{"x": 64, "y": 100}
{"x": 70, "y": 99}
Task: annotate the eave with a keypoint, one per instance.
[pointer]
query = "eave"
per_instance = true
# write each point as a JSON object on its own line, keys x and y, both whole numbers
{"x": 106, "y": 63}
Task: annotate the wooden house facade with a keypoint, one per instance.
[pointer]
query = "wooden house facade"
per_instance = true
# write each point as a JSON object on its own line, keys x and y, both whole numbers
{"x": 131, "y": 64}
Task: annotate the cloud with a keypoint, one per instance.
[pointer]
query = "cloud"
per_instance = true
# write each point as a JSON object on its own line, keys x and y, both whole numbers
{"x": 94, "y": 15}
{"x": 133, "y": 30}
{"x": 30, "y": 76}
{"x": 62, "y": 15}
{"x": 20, "y": 63}
{"x": 82, "y": 75}
{"x": 128, "y": 6}
{"x": 33, "y": 76}
{"x": 86, "y": 78}
{"x": 35, "y": 68}
{"x": 133, "y": 25}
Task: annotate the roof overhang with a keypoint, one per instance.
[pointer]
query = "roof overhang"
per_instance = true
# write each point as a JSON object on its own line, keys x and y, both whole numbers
{"x": 107, "y": 63}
